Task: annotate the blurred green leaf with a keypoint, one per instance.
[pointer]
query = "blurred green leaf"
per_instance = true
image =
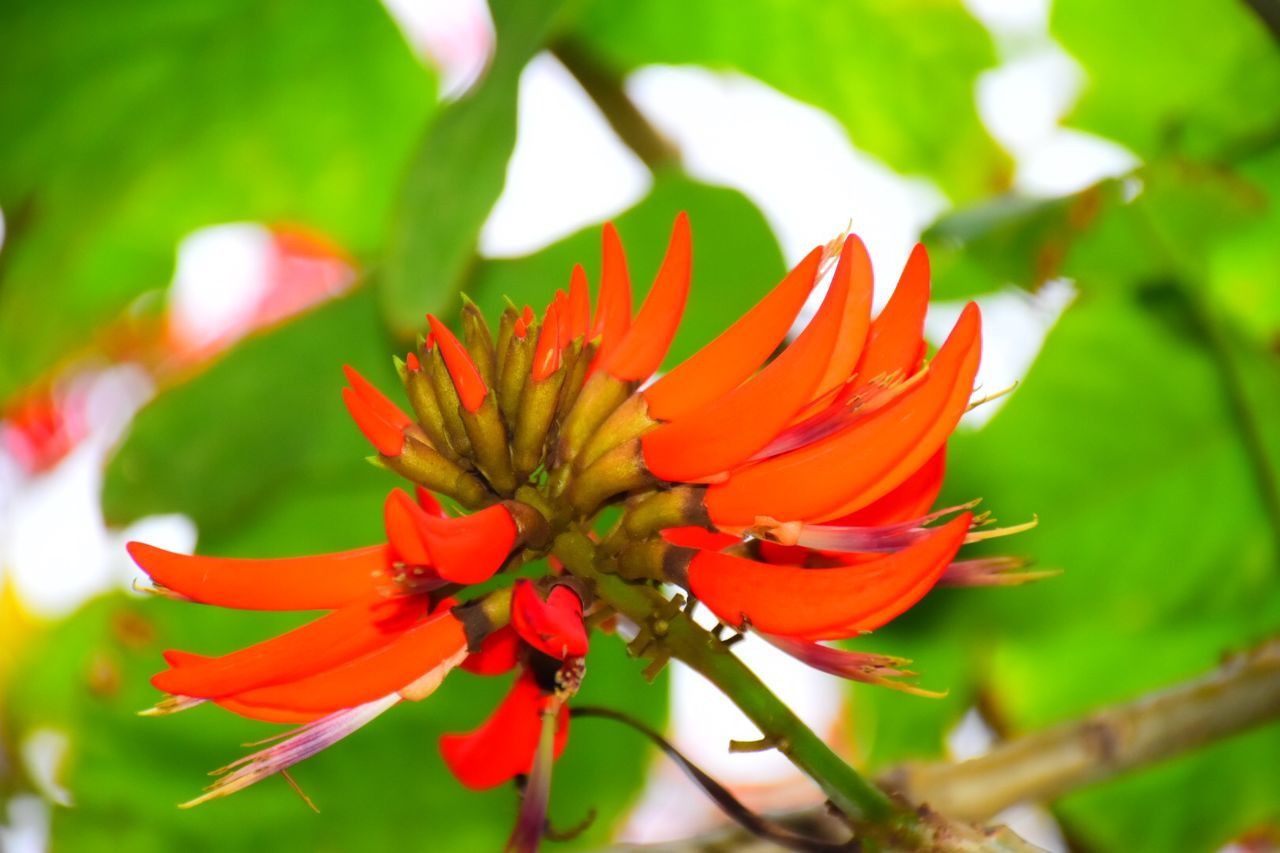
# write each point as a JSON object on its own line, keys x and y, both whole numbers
{"x": 259, "y": 449}
{"x": 128, "y": 131}
{"x": 899, "y": 76}
{"x": 736, "y": 259}
{"x": 383, "y": 788}
{"x": 1126, "y": 440}
{"x": 1197, "y": 77}
{"x": 1010, "y": 240}
{"x": 458, "y": 173}
{"x": 1118, "y": 234}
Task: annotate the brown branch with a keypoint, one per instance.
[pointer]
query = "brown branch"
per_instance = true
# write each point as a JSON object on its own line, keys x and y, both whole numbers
{"x": 1269, "y": 12}
{"x": 1242, "y": 693}
{"x": 604, "y": 87}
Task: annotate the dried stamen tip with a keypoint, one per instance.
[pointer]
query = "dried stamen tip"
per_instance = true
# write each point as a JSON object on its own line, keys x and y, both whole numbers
{"x": 999, "y": 532}
{"x": 868, "y": 668}
{"x": 994, "y": 395}
{"x": 158, "y": 590}
{"x": 993, "y": 571}
{"x": 171, "y": 705}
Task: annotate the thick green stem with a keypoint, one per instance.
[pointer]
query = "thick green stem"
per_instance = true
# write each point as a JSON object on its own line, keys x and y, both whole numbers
{"x": 874, "y": 816}
{"x": 858, "y": 798}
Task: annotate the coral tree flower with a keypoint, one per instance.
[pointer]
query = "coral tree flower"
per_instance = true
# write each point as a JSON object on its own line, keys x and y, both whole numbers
{"x": 792, "y": 492}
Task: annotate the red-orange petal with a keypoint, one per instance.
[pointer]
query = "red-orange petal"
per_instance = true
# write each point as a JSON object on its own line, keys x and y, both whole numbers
{"x": 406, "y": 533}
{"x": 470, "y": 548}
{"x": 819, "y": 603}
{"x": 504, "y": 745}
{"x": 579, "y": 303}
{"x": 462, "y": 370}
{"x": 896, "y": 340}
{"x": 321, "y": 582}
{"x": 613, "y": 305}
{"x": 698, "y": 537}
{"x": 430, "y": 503}
{"x": 324, "y": 643}
{"x": 378, "y": 402}
{"x": 553, "y": 627}
{"x": 726, "y": 362}
{"x": 641, "y": 351}
{"x": 724, "y": 432}
{"x": 498, "y": 653}
{"x": 846, "y": 471}
{"x": 856, "y": 319}
{"x": 437, "y": 642}
{"x": 911, "y": 499}
{"x": 564, "y": 332}
{"x": 546, "y": 353}
{"x": 386, "y": 438}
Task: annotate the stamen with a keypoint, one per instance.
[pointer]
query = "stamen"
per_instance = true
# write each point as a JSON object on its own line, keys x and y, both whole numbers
{"x": 998, "y": 532}
{"x": 852, "y": 404}
{"x": 994, "y": 395}
{"x": 171, "y": 705}
{"x": 880, "y": 670}
{"x": 864, "y": 540}
{"x": 299, "y": 744}
{"x": 992, "y": 571}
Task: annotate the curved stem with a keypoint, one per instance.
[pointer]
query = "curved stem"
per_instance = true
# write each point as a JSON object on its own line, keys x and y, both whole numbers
{"x": 871, "y": 812}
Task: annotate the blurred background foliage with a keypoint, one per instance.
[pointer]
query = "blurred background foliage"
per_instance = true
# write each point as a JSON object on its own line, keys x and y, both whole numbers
{"x": 1146, "y": 435}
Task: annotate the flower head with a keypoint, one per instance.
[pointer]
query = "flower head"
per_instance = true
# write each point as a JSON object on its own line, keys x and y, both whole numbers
{"x": 792, "y": 493}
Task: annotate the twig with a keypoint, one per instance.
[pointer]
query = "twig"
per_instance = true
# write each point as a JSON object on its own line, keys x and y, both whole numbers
{"x": 604, "y": 87}
{"x": 1241, "y": 693}
{"x": 1269, "y": 12}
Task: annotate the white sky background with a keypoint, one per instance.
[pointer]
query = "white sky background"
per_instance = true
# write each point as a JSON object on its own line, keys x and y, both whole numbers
{"x": 794, "y": 162}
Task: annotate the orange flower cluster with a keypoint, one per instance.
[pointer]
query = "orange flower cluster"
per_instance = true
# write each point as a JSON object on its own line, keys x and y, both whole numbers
{"x": 790, "y": 491}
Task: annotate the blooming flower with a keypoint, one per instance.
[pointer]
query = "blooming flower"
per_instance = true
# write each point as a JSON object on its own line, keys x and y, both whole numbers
{"x": 792, "y": 494}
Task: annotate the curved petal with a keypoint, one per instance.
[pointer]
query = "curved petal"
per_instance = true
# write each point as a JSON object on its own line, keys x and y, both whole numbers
{"x": 848, "y": 470}
{"x": 613, "y": 305}
{"x": 546, "y": 353}
{"x": 641, "y": 351}
{"x": 896, "y": 340}
{"x": 404, "y": 532}
{"x": 466, "y": 377}
{"x": 420, "y": 656}
{"x": 498, "y": 653}
{"x": 725, "y": 431}
{"x": 910, "y": 499}
{"x": 579, "y": 303}
{"x": 322, "y": 582}
{"x": 553, "y": 627}
{"x": 504, "y": 745}
{"x": 730, "y": 359}
{"x": 386, "y": 437}
{"x": 817, "y": 603}
{"x": 857, "y": 317}
{"x": 324, "y": 643}
{"x": 470, "y": 548}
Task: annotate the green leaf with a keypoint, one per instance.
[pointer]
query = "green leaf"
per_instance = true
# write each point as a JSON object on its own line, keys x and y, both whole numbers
{"x": 1123, "y": 233}
{"x": 137, "y": 129}
{"x": 1197, "y": 77}
{"x": 259, "y": 449}
{"x": 458, "y": 173}
{"x": 1125, "y": 440}
{"x": 736, "y": 259}
{"x": 380, "y": 789}
{"x": 899, "y": 76}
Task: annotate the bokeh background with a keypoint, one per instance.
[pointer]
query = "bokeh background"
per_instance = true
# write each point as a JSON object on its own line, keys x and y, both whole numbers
{"x": 208, "y": 207}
